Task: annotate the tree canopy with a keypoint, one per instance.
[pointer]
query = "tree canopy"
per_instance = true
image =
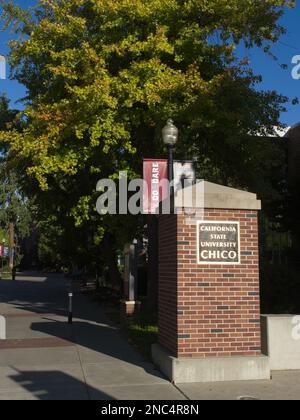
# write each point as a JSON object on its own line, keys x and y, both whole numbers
{"x": 14, "y": 205}
{"x": 103, "y": 76}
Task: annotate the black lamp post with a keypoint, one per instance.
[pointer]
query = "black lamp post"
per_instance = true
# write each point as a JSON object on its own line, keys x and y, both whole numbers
{"x": 170, "y": 137}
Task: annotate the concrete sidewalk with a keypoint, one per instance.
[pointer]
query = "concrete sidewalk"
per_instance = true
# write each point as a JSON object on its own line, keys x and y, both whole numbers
{"x": 283, "y": 386}
{"x": 44, "y": 358}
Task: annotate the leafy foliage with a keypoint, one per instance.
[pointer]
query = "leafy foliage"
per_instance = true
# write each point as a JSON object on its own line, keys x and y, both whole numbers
{"x": 102, "y": 77}
{"x": 13, "y": 203}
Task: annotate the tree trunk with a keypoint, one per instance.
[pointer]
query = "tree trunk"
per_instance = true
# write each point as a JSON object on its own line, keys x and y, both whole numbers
{"x": 11, "y": 245}
{"x": 109, "y": 251}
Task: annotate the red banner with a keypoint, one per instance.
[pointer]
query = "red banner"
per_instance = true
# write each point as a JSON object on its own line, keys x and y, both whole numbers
{"x": 155, "y": 171}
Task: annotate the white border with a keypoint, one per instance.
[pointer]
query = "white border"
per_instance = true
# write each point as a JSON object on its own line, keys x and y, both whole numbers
{"x": 201, "y": 222}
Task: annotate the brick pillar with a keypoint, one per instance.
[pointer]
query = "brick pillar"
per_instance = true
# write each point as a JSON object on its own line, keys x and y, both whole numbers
{"x": 209, "y": 314}
{"x": 167, "y": 286}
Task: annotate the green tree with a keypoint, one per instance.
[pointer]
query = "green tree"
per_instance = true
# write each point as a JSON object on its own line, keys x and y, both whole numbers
{"x": 14, "y": 207}
{"x": 13, "y": 203}
{"x": 7, "y": 115}
{"x": 103, "y": 76}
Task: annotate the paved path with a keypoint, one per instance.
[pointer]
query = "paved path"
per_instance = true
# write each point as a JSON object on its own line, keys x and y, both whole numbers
{"x": 283, "y": 386}
{"x": 44, "y": 358}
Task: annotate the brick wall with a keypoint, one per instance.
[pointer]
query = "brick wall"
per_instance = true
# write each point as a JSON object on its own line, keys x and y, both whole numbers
{"x": 167, "y": 301}
{"x": 211, "y": 310}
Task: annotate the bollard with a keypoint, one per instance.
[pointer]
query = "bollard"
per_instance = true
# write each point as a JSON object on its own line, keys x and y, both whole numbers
{"x": 70, "y": 314}
{"x": 2, "y": 328}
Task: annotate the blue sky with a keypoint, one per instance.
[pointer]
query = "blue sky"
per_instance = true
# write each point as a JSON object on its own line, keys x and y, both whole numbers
{"x": 274, "y": 77}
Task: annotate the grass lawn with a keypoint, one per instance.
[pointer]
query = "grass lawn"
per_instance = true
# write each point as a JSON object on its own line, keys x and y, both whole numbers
{"x": 142, "y": 337}
{"x": 5, "y": 275}
{"x": 141, "y": 332}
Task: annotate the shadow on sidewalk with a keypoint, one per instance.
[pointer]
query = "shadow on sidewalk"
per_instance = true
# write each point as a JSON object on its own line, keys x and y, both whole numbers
{"x": 105, "y": 341}
{"x": 36, "y": 293}
{"x": 99, "y": 341}
{"x": 40, "y": 294}
{"x": 56, "y": 385}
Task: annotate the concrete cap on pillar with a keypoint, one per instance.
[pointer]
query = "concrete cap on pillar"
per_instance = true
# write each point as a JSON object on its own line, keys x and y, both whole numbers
{"x": 213, "y": 196}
